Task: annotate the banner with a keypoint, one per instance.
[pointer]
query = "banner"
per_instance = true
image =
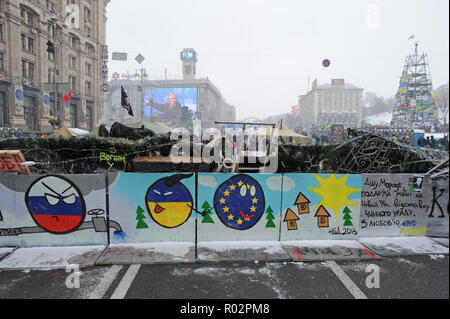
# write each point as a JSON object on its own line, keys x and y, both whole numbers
{"x": 18, "y": 96}
{"x": 45, "y": 105}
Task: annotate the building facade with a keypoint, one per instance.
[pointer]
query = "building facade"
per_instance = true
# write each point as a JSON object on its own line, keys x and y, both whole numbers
{"x": 77, "y": 29}
{"x": 331, "y": 104}
{"x": 211, "y": 106}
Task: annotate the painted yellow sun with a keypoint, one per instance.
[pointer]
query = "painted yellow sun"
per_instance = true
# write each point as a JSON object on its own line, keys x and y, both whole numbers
{"x": 334, "y": 192}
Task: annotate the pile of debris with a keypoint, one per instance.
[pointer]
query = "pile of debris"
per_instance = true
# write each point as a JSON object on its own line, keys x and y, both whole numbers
{"x": 362, "y": 153}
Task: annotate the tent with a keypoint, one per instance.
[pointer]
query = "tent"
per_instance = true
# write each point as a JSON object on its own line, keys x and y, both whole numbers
{"x": 286, "y": 134}
{"x": 94, "y": 132}
{"x": 64, "y": 131}
{"x": 157, "y": 127}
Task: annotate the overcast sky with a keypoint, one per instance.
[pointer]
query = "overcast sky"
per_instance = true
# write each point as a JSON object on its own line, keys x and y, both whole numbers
{"x": 259, "y": 53}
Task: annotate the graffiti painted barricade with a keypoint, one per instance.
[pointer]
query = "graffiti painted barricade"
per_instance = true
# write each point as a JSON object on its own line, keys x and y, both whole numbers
{"x": 437, "y": 190}
{"x": 321, "y": 207}
{"x": 53, "y": 210}
{"x": 394, "y": 205}
{"x": 239, "y": 207}
{"x": 153, "y": 208}
{"x": 72, "y": 210}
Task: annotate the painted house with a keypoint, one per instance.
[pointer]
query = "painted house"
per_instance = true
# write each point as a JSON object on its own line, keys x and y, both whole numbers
{"x": 323, "y": 217}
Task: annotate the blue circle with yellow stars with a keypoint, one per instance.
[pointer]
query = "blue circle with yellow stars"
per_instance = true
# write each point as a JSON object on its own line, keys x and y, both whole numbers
{"x": 239, "y": 202}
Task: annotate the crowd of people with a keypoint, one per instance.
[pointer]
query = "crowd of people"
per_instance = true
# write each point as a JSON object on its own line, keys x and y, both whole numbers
{"x": 431, "y": 142}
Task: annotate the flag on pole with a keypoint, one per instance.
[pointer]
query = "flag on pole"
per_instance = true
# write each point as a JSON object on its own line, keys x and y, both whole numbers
{"x": 126, "y": 102}
{"x": 411, "y": 37}
{"x": 68, "y": 97}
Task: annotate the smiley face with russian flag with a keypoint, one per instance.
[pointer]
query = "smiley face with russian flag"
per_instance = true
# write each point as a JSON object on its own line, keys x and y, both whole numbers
{"x": 169, "y": 202}
{"x": 56, "y": 204}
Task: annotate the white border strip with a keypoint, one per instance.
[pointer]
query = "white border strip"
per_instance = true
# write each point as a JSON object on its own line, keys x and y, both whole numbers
{"x": 126, "y": 282}
{"x": 348, "y": 283}
{"x": 106, "y": 281}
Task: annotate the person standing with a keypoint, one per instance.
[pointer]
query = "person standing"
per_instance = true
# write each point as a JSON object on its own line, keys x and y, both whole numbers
{"x": 432, "y": 142}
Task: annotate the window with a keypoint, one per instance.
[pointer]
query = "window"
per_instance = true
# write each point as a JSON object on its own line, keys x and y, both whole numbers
{"x": 30, "y": 17}
{"x": 88, "y": 88}
{"x": 89, "y": 50}
{"x": 23, "y": 41}
{"x": 73, "y": 63}
{"x": 88, "y": 69}
{"x": 1, "y": 62}
{"x": 3, "y": 111}
{"x": 1, "y": 32}
{"x": 73, "y": 82}
{"x": 31, "y": 45}
{"x": 73, "y": 115}
{"x": 24, "y": 69}
{"x": 72, "y": 42}
{"x": 87, "y": 15}
{"x": 31, "y": 70}
{"x": 89, "y": 116}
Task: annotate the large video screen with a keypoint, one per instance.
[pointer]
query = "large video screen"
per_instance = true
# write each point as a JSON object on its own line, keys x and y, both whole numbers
{"x": 167, "y": 103}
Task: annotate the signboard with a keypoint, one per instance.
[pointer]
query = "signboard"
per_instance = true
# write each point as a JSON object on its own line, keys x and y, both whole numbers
{"x": 337, "y": 132}
{"x": 104, "y": 57}
{"x": 60, "y": 87}
{"x": 10, "y": 162}
{"x": 337, "y": 81}
{"x": 189, "y": 55}
{"x": 119, "y": 56}
{"x": 139, "y": 59}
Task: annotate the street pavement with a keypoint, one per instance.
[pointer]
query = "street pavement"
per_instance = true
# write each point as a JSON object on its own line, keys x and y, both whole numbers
{"x": 401, "y": 277}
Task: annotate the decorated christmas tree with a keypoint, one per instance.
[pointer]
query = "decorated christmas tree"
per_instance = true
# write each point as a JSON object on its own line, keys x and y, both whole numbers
{"x": 207, "y": 210}
{"x": 140, "y": 218}
{"x": 270, "y": 218}
{"x": 347, "y": 217}
{"x": 415, "y": 106}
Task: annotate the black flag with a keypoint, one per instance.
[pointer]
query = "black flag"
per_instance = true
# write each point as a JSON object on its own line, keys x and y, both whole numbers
{"x": 126, "y": 102}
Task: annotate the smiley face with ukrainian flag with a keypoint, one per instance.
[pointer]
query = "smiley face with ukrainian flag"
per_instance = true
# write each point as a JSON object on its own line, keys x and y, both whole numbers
{"x": 239, "y": 202}
{"x": 169, "y": 202}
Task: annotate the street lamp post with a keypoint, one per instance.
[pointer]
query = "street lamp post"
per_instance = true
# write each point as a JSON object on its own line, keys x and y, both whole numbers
{"x": 54, "y": 19}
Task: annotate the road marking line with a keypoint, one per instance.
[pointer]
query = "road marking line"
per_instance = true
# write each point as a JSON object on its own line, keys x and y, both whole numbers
{"x": 125, "y": 284}
{"x": 106, "y": 281}
{"x": 348, "y": 283}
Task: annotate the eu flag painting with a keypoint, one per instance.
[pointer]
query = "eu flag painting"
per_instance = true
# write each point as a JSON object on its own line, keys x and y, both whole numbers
{"x": 239, "y": 202}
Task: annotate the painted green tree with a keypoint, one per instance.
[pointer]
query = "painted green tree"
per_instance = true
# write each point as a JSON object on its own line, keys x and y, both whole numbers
{"x": 208, "y": 211}
{"x": 270, "y": 218}
{"x": 347, "y": 217}
{"x": 140, "y": 218}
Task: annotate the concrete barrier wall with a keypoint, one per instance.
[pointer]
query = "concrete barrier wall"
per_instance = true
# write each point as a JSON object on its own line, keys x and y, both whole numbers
{"x": 153, "y": 208}
{"x": 437, "y": 191}
{"x": 239, "y": 207}
{"x": 394, "y": 205}
{"x": 78, "y": 210}
{"x": 8, "y": 219}
{"x": 53, "y": 210}
{"x": 322, "y": 207}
